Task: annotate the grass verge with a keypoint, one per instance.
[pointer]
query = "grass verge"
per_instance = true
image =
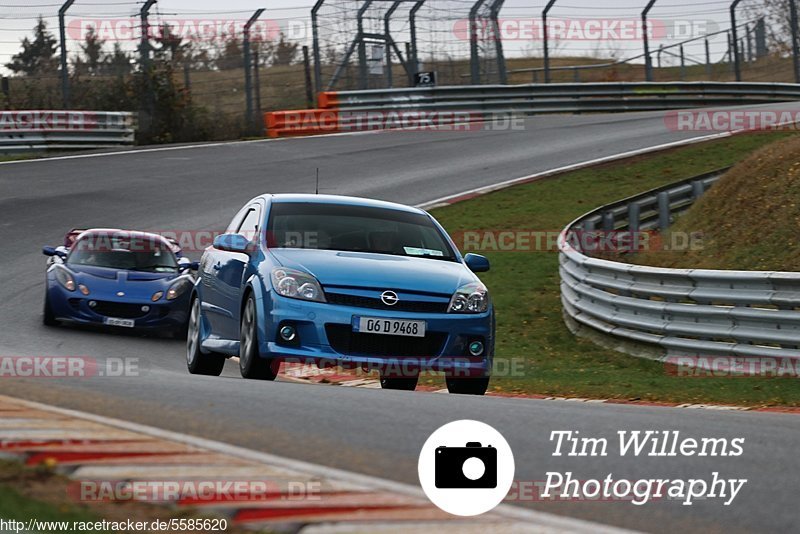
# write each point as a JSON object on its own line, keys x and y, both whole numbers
{"x": 531, "y": 334}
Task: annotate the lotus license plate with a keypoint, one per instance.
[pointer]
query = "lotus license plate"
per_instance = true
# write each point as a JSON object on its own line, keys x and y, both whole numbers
{"x": 113, "y": 321}
{"x": 389, "y": 327}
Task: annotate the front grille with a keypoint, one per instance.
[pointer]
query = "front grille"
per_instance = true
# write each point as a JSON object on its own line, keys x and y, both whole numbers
{"x": 344, "y": 341}
{"x": 119, "y": 309}
{"x": 418, "y": 306}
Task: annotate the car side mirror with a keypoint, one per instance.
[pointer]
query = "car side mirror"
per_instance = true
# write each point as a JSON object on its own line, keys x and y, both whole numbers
{"x": 477, "y": 263}
{"x": 52, "y": 251}
{"x": 232, "y": 243}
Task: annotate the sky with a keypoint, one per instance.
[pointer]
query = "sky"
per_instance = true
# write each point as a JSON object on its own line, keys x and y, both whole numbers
{"x": 584, "y": 27}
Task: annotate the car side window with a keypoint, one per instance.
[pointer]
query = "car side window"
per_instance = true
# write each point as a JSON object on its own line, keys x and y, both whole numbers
{"x": 249, "y": 226}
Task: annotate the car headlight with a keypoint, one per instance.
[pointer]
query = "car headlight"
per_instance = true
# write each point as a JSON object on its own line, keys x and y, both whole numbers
{"x": 65, "y": 279}
{"x": 470, "y": 298}
{"x": 178, "y": 288}
{"x": 296, "y": 284}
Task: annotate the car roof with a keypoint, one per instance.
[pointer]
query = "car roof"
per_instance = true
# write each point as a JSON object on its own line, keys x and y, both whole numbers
{"x": 342, "y": 200}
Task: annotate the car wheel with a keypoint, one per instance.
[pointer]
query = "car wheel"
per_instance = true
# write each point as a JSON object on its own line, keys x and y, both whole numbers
{"x": 210, "y": 364}
{"x": 251, "y": 364}
{"x": 403, "y": 384}
{"x": 48, "y": 319}
{"x": 467, "y": 386}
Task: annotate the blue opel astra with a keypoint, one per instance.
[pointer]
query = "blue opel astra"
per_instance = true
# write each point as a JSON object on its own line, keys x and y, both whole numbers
{"x": 341, "y": 281}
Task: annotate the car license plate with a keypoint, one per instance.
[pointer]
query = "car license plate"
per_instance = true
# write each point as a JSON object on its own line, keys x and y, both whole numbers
{"x": 391, "y": 327}
{"x": 113, "y": 321}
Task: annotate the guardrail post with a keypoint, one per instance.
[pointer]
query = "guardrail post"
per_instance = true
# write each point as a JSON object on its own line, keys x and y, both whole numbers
{"x": 608, "y": 221}
{"x": 697, "y": 189}
{"x": 795, "y": 38}
{"x": 546, "y": 46}
{"x": 248, "y": 68}
{"x": 737, "y": 70}
{"x": 664, "y": 218}
{"x": 648, "y": 62}
{"x": 62, "y": 31}
{"x": 634, "y": 223}
{"x": 315, "y": 45}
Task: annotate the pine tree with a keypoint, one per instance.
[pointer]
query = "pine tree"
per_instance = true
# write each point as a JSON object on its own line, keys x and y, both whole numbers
{"x": 37, "y": 57}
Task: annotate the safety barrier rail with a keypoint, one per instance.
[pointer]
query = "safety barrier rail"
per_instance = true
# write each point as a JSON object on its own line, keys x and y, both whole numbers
{"x": 38, "y": 131}
{"x": 674, "y": 312}
{"x": 482, "y": 102}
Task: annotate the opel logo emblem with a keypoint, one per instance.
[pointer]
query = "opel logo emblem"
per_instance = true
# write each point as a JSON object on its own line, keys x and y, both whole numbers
{"x": 389, "y": 298}
{"x": 120, "y": 294}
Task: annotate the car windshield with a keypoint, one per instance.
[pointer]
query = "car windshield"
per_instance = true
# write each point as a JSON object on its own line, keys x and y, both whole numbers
{"x": 125, "y": 253}
{"x": 356, "y": 229}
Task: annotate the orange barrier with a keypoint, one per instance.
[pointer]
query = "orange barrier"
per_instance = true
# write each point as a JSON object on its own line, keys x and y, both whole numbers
{"x": 301, "y": 122}
{"x": 328, "y": 100}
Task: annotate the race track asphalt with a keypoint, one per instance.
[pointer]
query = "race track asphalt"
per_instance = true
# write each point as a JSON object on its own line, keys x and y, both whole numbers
{"x": 362, "y": 430}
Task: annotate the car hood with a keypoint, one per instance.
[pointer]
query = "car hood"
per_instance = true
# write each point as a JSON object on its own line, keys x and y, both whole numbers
{"x": 104, "y": 282}
{"x": 380, "y": 271}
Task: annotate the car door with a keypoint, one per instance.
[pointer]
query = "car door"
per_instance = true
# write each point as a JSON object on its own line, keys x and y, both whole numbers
{"x": 229, "y": 269}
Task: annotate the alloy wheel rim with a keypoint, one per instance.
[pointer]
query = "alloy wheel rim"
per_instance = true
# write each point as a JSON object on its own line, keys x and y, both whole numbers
{"x": 194, "y": 332}
{"x": 247, "y": 333}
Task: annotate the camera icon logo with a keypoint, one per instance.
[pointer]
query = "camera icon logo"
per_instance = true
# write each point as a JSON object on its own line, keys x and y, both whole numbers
{"x": 464, "y": 476}
{"x": 473, "y": 466}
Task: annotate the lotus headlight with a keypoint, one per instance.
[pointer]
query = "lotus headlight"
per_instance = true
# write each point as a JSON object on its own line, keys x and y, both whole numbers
{"x": 470, "y": 298}
{"x": 177, "y": 289}
{"x": 65, "y": 279}
{"x": 296, "y": 284}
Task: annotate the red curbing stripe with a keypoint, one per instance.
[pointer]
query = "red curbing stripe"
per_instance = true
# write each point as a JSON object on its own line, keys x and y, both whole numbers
{"x": 252, "y": 515}
{"x": 85, "y": 457}
{"x": 15, "y": 445}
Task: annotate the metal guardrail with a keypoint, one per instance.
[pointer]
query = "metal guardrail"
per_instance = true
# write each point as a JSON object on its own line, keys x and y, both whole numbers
{"x": 677, "y": 312}
{"x": 38, "y": 131}
{"x": 562, "y": 98}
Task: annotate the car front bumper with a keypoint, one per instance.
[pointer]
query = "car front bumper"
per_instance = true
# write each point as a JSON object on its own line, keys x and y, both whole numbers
{"x": 325, "y": 338}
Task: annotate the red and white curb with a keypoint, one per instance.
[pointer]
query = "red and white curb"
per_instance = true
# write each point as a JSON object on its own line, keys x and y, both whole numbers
{"x": 345, "y": 378}
{"x": 88, "y": 447}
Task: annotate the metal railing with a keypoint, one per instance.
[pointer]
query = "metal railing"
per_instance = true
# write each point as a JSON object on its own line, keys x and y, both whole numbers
{"x": 663, "y": 312}
{"x": 563, "y": 98}
{"x": 40, "y": 131}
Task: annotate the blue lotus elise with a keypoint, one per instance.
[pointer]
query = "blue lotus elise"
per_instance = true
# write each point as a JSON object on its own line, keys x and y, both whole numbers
{"x": 341, "y": 281}
{"x": 119, "y": 279}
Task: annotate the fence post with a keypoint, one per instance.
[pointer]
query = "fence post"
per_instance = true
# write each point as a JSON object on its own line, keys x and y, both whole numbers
{"x": 148, "y": 100}
{"x": 497, "y": 5}
{"x": 708, "y": 60}
{"x": 648, "y": 62}
{"x": 5, "y": 87}
{"x": 413, "y": 58}
{"x": 257, "y": 76}
{"x": 475, "y": 69}
{"x": 683, "y": 64}
{"x": 387, "y": 41}
{"x": 187, "y": 77}
{"x": 307, "y": 69}
{"x": 761, "y": 39}
{"x": 62, "y": 31}
{"x": 315, "y": 45}
{"x": 735, "y": 40}
{"x": 248, "y": 65}
{"x": 795, "y": 45}
{"x": 546, "y": 46}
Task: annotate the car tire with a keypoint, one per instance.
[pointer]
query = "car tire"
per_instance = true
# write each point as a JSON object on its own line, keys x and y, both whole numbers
{"x": 48, "y": 318}
{"x": 401, "y": 384}
{"x": 467, "y": 386}
{"x": 251, "y": 365}
{"x": 210, "y": 364}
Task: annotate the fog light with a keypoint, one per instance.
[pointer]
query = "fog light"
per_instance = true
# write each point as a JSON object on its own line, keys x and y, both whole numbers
{"x": 288, "y": 333}
{"x": 476, "y": 348}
